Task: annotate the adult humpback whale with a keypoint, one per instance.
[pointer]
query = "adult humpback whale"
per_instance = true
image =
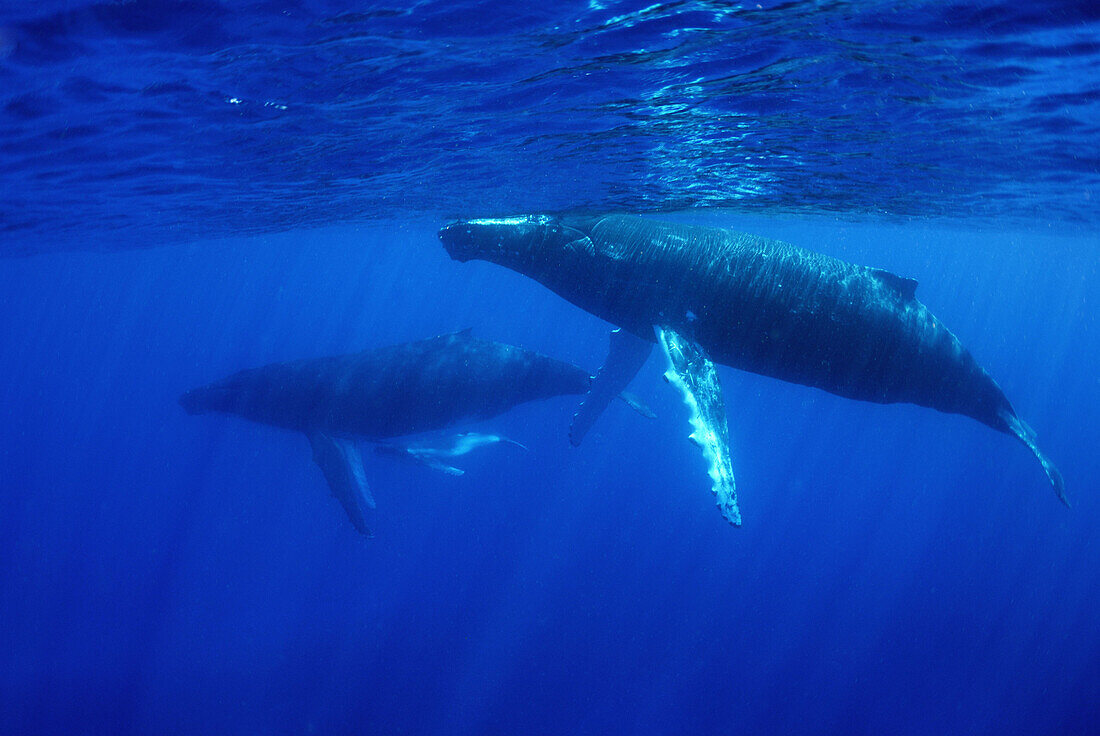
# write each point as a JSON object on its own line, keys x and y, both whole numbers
{"x": 392, "y": 392}
{"x": 752, "y": 303}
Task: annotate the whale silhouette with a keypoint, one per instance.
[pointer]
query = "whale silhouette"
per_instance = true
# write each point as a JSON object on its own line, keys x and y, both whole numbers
{"x": 709, "y": 294}
{"x": 392, "y": 396}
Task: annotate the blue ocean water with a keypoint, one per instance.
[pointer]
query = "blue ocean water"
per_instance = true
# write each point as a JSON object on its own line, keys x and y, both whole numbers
{"x": 191, "y": 187}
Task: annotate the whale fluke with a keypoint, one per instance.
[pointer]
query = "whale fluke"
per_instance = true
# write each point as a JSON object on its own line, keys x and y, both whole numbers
{"x": 1026, "y": 434}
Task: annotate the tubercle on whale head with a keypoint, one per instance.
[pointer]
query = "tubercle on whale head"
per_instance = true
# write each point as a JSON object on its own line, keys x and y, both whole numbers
{"x": 522, "y": 243}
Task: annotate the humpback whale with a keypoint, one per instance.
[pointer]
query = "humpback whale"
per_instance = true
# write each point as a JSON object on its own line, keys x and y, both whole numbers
{"x": 708, "y": 295}
{"x": 391, "y": 396}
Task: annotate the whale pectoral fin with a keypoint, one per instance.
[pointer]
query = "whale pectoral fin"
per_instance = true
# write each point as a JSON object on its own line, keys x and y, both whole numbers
{"x": 418, "y": 454}
{"x": 428, "y": 451}
{"x": 637, "y": 404}
{"x": 435, "y": 463}
{"x": 1026, "y": 434}
{"x": 342, "y": 464}
{"x": 691, "y": 371}
{"x": 460, "y": 444}
{"x": 624, "y": 359}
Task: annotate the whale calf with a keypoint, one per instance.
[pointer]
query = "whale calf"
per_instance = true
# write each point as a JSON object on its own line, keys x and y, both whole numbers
{"x": 400, "y": 391}
{"x": 710, "y": 294}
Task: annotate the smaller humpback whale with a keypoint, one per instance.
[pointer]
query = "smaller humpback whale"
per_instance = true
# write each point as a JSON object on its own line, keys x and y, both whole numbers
{"x": 400, "y": 391}
{"x": 760, "y": 305}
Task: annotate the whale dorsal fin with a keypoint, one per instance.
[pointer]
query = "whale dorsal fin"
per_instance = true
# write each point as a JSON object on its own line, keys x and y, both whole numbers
{"x": 907, "y": 288}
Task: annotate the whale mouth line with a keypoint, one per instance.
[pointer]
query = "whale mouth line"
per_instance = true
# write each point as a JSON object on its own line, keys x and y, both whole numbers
{"x": 457, "y": 240}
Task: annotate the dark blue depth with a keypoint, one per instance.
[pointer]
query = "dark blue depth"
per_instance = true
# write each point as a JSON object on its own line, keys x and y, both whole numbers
{"x": 899, "y": 570}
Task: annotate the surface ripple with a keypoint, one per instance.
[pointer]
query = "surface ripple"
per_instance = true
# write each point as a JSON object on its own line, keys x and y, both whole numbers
{"x": 155, "y": 121}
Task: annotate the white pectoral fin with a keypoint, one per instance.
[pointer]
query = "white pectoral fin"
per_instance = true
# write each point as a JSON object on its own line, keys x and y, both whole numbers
{"x": 460, "y": 444}
{"x": 637, "y": 405}
{"x": 429, "y": 451}
{"x": 342, "y": 464}
{"x": 435, "y": 463}
{"x": 625, "y": 358}
{"x": 691, "y": 371}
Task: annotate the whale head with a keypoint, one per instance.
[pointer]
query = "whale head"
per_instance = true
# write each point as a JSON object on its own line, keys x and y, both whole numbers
{"x": 558, "y": 252}
{"x": 202, "y": 400}
{"x": 525, "y": 243}
{"x": 229, "y": 396}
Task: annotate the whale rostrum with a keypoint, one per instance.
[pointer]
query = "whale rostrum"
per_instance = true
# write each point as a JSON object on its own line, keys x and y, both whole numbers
{"x": 710, "y": 294}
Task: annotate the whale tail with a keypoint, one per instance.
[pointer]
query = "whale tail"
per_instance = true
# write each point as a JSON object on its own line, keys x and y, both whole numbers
{"x": 1019, "y": 429}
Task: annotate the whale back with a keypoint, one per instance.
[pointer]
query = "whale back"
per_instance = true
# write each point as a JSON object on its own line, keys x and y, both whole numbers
{"x": 772, "y": 308}
{"x": 392, "y": 391}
